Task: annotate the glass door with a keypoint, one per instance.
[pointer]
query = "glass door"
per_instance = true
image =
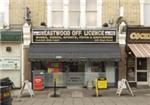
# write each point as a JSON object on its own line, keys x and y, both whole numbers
{"x": 141, "y": 71}
{"x": 75, "y": 73}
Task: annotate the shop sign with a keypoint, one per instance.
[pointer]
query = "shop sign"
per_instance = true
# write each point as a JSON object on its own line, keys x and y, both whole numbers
{"x": 11, "y": 36}
{"x": 138, "y": 35}
{"x": 60, "y": 36}
{"x": 9, "y": 64}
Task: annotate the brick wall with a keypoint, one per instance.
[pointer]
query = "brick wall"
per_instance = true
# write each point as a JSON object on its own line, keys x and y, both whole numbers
{"x": 39, "y": 11}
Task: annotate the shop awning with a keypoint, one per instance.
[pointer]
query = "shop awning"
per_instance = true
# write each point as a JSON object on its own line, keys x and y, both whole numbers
{"x": 140, "y": 50}
{"x": 74, "y": 51}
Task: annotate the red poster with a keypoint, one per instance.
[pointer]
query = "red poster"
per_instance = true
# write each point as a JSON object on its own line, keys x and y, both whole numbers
{"x": 38, "y": 83}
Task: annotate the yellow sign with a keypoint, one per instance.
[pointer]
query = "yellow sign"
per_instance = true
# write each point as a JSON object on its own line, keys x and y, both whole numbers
{"x": 100, "y": 84}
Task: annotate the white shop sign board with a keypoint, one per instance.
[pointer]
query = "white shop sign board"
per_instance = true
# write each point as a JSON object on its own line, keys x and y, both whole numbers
{"x": 9, "y": 63}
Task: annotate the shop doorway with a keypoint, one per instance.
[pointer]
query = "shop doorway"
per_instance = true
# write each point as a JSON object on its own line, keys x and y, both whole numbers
{"x": 75, "y": 73}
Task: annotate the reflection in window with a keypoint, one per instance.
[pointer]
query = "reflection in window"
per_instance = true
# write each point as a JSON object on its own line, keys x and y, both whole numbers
{"x": 141, "y": 64}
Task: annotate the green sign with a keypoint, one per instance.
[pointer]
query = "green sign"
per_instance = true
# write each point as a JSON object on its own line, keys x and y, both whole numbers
{"x": 11, "y": 36}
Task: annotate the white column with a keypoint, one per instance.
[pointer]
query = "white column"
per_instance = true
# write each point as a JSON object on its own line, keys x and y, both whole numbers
{"x": 49, "y": 13}
{"x": 82, "y": 13}
{"x": 65, "y": 13}
{"x": 6, "y": 13}
{"x": 142, "y": 12}
{"x": 99, "y": 13}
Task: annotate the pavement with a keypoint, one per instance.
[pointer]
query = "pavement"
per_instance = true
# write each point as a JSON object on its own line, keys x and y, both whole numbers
{"x": 83, "y": 97}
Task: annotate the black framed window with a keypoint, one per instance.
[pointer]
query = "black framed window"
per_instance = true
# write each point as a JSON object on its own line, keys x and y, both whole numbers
{"x": 141, "y": 64}
{"x": 142, "y": 76}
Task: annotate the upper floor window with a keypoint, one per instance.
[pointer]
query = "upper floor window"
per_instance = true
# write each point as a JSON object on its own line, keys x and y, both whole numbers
{"x": 2, "y": 10}
{"x": 146, "y": 14}
{"x": 91, "y": 13}
{"x": 74, "y": 13}
{"x": 4, "y": 13}
{"x": 57, "y": 13}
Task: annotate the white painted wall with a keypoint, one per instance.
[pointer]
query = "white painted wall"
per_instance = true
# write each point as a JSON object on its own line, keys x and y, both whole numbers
{"x": 14, "y": 75}
{"x": 122, "y": 38}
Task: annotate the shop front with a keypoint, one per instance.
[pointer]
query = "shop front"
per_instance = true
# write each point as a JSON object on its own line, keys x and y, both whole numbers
{"x": 138, "y": 55}
{"x": 74, "y": 57}
{"x": 11, "y": 55}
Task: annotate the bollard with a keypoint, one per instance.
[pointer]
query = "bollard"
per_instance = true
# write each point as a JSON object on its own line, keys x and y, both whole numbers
{"x": 55, "y": 93}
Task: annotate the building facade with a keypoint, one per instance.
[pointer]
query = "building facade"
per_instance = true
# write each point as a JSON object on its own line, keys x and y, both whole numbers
{"x": 73, "y": 15}
{"x": 138, "y": 54}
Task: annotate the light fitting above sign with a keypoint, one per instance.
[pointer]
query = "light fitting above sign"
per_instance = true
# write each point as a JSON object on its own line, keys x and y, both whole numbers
{"x": 62, "y": 36}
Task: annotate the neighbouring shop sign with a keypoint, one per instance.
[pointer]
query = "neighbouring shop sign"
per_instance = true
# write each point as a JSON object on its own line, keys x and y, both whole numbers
{"x": 48, "y": 36}
{"x": 9, "y": 64}
{"x": 138, "y": 34}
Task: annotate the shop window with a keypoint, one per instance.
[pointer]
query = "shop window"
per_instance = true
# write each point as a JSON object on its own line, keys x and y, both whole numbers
{"x": 142, "y": 76}
{"x": 131, "y": 66}
{"x": 98, "y": 67}
{"x": 141, "y": 64}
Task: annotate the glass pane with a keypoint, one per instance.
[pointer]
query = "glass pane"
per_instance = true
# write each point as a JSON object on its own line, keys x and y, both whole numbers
{"x": 146, "y": 15}
{"x": 2, "y": 8}
{"x": 57, "y": 5}
{"x": 91, "y": 5}
{"x": 74, "y": 5}
{"x": 1, "y": 18}
{"x": 98, "y": 67}
{"x": 74, "y": 19}
{"x": 57, "y": 19}
{"x": 91, "y": 18}
{"x": 141, "y": 64}
{"x": 142, "y": 76}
